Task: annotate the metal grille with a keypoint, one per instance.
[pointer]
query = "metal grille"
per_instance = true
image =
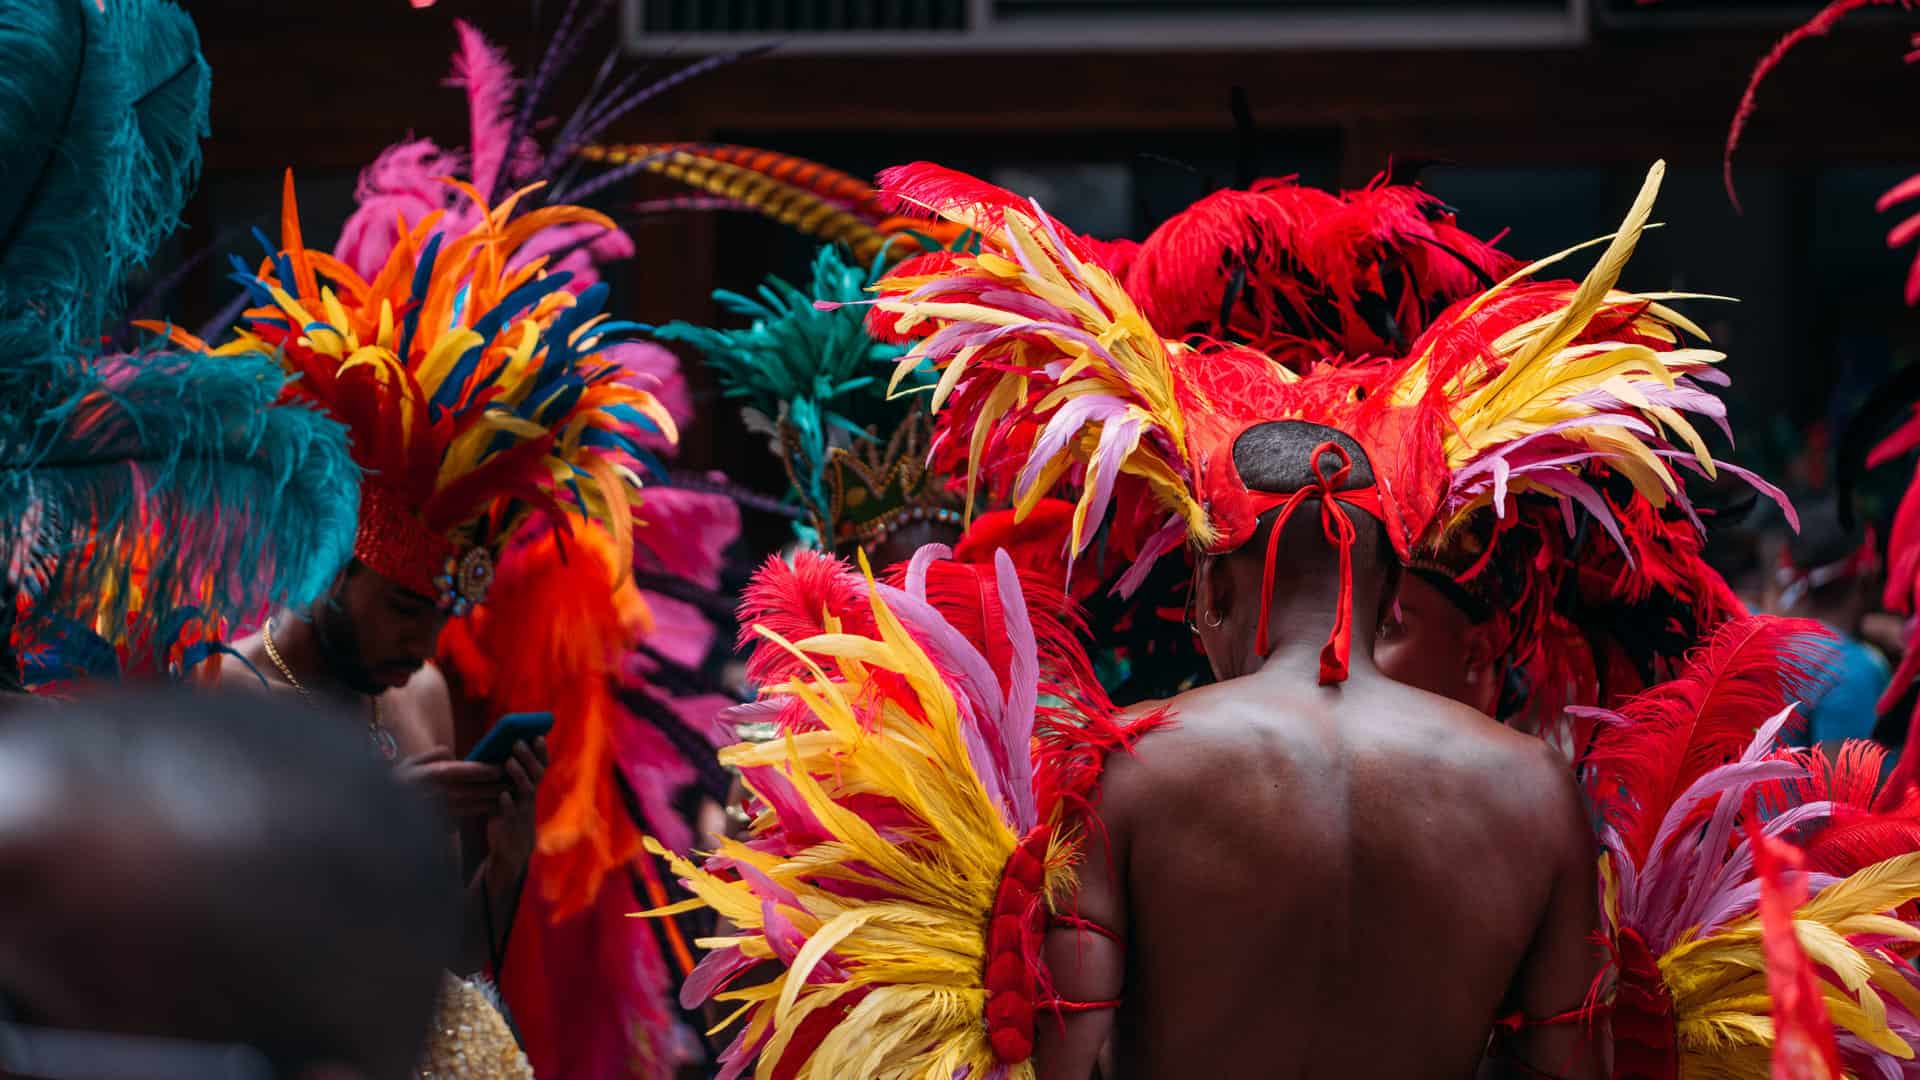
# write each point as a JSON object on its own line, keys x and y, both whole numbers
{"x": 800, "y": 16}
{"x": 1203, "y": 8}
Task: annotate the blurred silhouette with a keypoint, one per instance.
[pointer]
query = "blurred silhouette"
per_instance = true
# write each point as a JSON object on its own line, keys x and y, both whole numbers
{"x": 212, "y": 887}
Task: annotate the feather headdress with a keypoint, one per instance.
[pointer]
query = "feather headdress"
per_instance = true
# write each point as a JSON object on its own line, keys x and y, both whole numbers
{"x": 151, "y": 492}
{"x": 475, "y": 394}
{"x": 912, "y": 843}
{"x": 1691, "y": 785}
{"x": 1046, "y": 358}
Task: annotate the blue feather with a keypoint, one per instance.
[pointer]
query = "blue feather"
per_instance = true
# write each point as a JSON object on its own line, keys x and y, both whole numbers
{"x": 422, "y": 276}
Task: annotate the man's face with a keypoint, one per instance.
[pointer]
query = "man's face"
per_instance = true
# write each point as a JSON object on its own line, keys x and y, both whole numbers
{"x": 1431, "y": 645}
{"x": 375, "y": 632}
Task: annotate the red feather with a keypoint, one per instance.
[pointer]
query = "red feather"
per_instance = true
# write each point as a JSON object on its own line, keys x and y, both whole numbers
{"x": 1804, "y": 1048}
{"x": 924, "y": 189}
{"x": 1826, "y": 19}
{"x": 794, "y": 600}
{"x": 1673, "y": 734}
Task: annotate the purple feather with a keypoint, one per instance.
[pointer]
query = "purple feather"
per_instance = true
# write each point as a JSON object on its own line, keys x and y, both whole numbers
{"x": 712, "y": 974}
{"x": 1063, "y": 425}
{"x": 1160, "y": 543}
{"x": 928, "y": 554}
{"x": 1023, "y": 689}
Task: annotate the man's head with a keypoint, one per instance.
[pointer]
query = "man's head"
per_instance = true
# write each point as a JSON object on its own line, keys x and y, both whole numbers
{"x": 1279, "y": 458}
{"x": 373, "y": 631}
{"x": 212, "y": 869}
{"x": 1434, "y": 638}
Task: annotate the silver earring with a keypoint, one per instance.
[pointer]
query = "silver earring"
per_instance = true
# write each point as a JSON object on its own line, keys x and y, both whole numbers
{"x": 1212, "y": 619}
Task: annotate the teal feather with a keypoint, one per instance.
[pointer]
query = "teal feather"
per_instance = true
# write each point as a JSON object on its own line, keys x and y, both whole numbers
{"x": 255, "y": 501}
{"x": 101, "y": 117}
{"x": 820, "y": 370}
{"x": 241, "y": 500}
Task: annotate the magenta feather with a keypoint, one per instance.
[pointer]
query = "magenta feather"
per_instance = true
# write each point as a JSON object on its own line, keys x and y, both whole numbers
{"x": 482, "y": 71}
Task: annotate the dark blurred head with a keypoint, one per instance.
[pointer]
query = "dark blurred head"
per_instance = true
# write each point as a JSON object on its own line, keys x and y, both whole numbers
{"x": 1278, "y": 458}
{"x": 224, "y": 870}
{"x": 1435, "y": 637}
{"x": 1826, "y": 570}
{"x": 899, "y": 545}
{"x": 374, "y": 632}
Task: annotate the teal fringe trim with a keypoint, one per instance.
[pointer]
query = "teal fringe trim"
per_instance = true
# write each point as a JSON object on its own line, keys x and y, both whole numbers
{"x": 254, "y": 502}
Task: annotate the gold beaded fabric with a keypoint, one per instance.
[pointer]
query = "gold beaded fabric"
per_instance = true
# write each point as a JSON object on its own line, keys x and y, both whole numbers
{"x": 470, "y": 1039}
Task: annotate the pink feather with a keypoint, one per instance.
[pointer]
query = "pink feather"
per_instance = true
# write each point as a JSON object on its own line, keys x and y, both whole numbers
{"x": 482, "y": 70}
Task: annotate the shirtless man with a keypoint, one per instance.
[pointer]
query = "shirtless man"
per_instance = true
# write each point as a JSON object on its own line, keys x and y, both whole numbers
{"x": 1341, "y": 881}
{"x": 365, "y": 648}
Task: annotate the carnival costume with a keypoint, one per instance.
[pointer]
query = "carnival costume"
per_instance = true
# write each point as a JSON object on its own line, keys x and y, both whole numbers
{"x": 1050, "y": 366}
{"x": 607, "y": 627}
{"x": 920, "y": 817}
{"x": 475, "y": 388}
{"x": 1712, "y": 976}
{"x": 146, "y": 495}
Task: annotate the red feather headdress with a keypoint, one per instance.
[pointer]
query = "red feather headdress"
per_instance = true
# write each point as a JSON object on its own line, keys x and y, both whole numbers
{"x": 1305, "y": 275}
{"x": 1052, "y": 373}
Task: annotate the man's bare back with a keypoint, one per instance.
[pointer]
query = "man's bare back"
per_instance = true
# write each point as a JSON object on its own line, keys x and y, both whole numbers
{"x": 1341, "y": 882}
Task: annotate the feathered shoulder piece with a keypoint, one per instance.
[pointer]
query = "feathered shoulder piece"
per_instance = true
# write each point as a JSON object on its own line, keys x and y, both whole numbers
{"x": 912, "y": 843}
{"x": 1692, "y": 790}
{"x": 475, "y": 392}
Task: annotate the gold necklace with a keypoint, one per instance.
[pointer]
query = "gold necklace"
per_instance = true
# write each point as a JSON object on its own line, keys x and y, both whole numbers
{"x": 378, "y": 736}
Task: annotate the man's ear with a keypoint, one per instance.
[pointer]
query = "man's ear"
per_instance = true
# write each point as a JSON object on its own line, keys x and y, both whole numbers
{"x": 1483, "y": 651}
{"x": 1216, "y": 587}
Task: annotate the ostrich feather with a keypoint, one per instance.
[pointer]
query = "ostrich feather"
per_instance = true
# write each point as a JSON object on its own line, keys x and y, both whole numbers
{"x": 1669, "y": 737}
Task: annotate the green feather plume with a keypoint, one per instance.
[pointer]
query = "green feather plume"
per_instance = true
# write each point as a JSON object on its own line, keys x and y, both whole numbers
{"x": 818, "y": 371}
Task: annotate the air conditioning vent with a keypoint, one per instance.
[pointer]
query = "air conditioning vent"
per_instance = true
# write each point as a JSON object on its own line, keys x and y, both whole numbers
{"x": 894, "y": 26}
{"x": 668, "y": 17}
{"x": 1639, "y": 14}
{"x": 1199, "y": 8}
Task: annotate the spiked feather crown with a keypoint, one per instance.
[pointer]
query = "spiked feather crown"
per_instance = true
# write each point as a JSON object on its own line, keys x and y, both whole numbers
{"x": 473, "y": 390}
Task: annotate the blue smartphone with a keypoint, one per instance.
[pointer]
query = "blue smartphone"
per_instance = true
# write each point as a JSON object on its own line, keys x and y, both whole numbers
{"x": 512, "y": 728}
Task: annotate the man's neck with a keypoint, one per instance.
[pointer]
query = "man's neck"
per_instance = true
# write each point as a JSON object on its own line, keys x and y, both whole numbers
{"x": 1297, "y": 636}
{"x": 298, "y": 642}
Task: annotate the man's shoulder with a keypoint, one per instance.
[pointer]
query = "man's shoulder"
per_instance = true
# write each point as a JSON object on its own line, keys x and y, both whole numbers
{"x": 241, "y": 669}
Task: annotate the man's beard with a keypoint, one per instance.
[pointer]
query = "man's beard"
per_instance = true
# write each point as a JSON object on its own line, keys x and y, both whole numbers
{"x": 339, "y": 644}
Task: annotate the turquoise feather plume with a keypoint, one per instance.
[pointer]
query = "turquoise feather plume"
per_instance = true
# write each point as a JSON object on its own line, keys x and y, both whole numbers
{"x": 101, "y": 117}
{"x": 817, "y": 370}
{"x": 240, "y": 502}
{"x": 232, "y": 498}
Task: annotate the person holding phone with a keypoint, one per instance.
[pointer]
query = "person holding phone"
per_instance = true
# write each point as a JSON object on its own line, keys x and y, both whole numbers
{"x": 451, "y": 472}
